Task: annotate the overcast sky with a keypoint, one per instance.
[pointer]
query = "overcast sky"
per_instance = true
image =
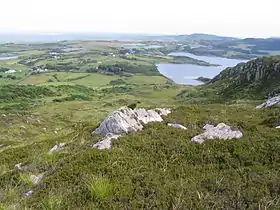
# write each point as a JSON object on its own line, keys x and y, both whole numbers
{"x": 241, "y": 18}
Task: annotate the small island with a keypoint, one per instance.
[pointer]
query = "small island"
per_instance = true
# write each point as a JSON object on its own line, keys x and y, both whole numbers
{"x": 203, "y": 79}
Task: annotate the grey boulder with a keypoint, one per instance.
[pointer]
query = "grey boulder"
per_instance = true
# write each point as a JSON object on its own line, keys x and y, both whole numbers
{"x": 221, "y": 131}
{"x": 56, "y": 148}
{"x": 177, "y": 126}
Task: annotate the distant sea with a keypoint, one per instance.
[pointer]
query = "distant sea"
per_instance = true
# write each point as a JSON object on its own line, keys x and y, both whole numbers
{"x": 67, "y": 36}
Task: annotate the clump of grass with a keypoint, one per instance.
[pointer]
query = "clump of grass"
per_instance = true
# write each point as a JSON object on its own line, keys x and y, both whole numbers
{"x": 3, "y": 207}
{"x": 99, "y": 187}
{"x": 25, "y": 178}
{"x": 3, "y": 169}
{"x": 52, "y": 203}
{"x": 49, "y": 158}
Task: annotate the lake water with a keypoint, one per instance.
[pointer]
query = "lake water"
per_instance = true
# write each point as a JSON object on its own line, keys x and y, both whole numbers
{"x": 8, "y": 58}
{"x": 71, "y": 49}
{"x": 140, "y": 45}
{"x": 187, "y": 73}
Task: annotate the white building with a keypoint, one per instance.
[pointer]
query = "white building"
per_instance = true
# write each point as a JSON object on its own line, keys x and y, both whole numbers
{"x": 11, "y": 71}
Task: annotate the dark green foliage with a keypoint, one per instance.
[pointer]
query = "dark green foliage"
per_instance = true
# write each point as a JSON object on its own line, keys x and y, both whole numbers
{"x": 74, "y": 89}
{"x": 121, "y": 68}
{"x": 22, "y": 97}
{"x": 132, "y": 106}
{"x": 73, "y": 98}
{"x": 11, "y": 77}
{"x": 117, "y": 89}
{"x": 77, "y": 78}
{"x": 56, "y": 77}
{"x": 22, "y": 92}
{"x": 3, "y": 69}
{"x": 117, "y": 82}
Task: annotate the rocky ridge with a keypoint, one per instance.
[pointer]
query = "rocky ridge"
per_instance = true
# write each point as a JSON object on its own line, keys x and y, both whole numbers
{"x": 257, "y": 78}
{"x": 126, "y": 120}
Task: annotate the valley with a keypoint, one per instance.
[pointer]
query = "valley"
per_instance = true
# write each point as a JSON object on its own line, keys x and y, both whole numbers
{"x": 56, "y": 94}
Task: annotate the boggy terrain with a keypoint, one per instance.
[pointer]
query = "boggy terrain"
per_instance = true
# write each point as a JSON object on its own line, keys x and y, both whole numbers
{"x": 49, "y": 152}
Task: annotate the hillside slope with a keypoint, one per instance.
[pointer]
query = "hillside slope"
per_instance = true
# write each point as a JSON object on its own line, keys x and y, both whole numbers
{"x": 255, "y": 79}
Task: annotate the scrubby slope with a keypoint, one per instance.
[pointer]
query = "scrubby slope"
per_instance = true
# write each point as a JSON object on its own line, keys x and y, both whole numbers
{"x": 155, "y": 168}
{"x": 254, "y": 79}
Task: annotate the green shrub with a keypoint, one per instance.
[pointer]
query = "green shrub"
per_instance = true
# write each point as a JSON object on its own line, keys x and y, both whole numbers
{"x": 132, "y": 106}
{"x": 117, "y": 82}
{"x": 10, "y": 93}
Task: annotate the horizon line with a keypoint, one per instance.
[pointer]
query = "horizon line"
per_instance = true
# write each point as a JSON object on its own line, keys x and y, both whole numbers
{"x": 123, "y": 33}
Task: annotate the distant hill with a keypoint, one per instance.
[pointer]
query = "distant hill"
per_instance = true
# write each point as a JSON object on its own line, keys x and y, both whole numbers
{"x": 205, "y": 37}
{"x": 255, "y": 79}
{"x": 258, "y": 43}
{"x": 210, "y": 37}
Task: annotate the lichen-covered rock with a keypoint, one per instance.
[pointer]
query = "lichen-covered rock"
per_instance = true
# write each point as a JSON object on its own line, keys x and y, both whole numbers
{"x": 177, "y": 126}
{"x": 221, "y": 131}
{"x": 106, "y": 142}
{"x": 270, "y": 102}
{"x": 126, "y": 120}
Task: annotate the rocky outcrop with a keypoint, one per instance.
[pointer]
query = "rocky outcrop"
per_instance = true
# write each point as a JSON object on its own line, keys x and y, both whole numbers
{"x": 126, "y": 120}
{"x": 270, "y": 102}
{"x": 221, "y": 131}
{"x": 255, "y": 79}
{"x": 177, "y": 126}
